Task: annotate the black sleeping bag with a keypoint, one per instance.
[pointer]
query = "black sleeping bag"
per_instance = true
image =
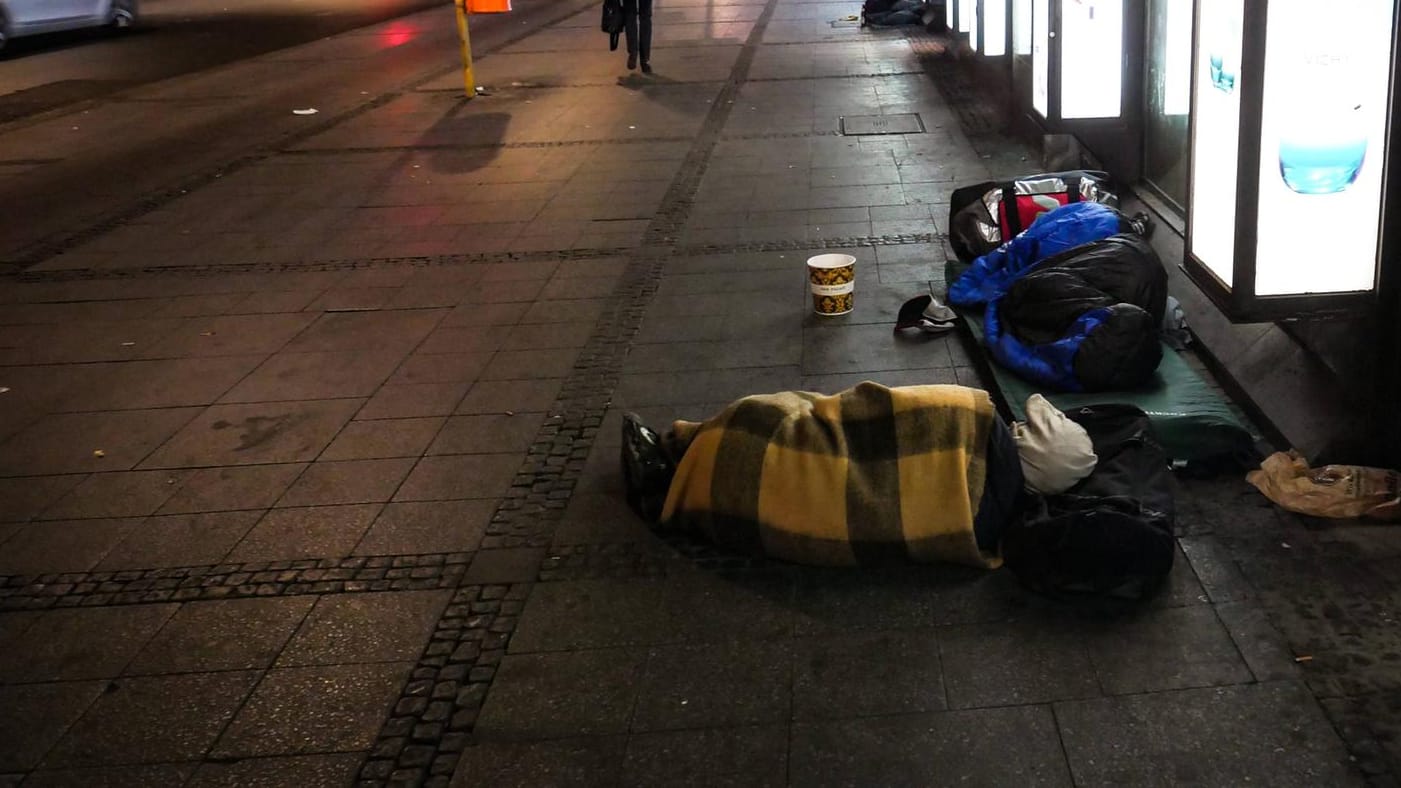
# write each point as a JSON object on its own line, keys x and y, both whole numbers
{"x": 1115, "y": 289}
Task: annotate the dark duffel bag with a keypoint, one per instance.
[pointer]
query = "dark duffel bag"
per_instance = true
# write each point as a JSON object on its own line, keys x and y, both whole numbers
{"x": 1111, "y": 534}
{"x": 985, "y": 215}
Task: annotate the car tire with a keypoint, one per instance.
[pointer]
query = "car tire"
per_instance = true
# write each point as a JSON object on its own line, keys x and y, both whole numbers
{"x": 123, "y": 14}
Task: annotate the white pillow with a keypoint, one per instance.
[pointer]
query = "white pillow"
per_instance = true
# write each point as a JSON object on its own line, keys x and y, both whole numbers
{"x": 1056, "y": 453}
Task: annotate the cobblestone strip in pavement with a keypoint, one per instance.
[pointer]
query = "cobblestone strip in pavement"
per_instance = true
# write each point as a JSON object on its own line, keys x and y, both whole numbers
{"x": 382, "y": 263}
{"x": 432, "y": 721}
{"x": 47, "y": 248}
{"x": 321, "y": 577}
{"x": 233, "y": 581}
{"x": 436, "y": 734}
{"x": 320, "y": 266}
{"x": 592, "y": 143}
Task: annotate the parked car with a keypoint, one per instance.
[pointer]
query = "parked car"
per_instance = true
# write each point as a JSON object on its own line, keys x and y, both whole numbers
{"x": 31, "y": 17}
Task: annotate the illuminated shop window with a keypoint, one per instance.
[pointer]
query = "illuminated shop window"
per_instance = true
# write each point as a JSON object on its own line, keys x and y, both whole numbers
{"x": 1091, "y": 58}
{"x": 1021, "y": 27}
{"x": 992, "y": 27}
{"x": 1041, "y": 56}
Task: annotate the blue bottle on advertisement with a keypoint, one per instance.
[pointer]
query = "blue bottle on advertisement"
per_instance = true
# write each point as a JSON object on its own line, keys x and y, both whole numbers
{"x": 1323, "y": 146}
{"x": 1222, "y": 77}
{"x": 1321, "y": 166}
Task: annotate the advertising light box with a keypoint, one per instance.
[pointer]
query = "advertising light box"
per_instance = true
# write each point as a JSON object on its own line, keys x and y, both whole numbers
{"x": 1291, "y": 127}
{"x": 1327, "y": 80}
{"x": 1080, "y": 64}
{"x": 1216, "y": 137}
{"x": 991, "y": 36}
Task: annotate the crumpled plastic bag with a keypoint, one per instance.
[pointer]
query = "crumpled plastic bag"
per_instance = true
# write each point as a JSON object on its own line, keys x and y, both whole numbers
{"x": 1334, "y": 491}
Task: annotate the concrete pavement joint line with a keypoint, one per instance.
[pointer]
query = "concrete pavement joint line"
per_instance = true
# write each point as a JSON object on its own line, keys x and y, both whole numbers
{"x": 866, "y": 75}
{"x": 528, "y": 514}
{"x": 233, "y": 581}
{"x": 480, "y": 146}
{"x": 629, "y": 560}
{"x": 44, "y": 249}
{"x": 580, "y": 84}
{"x": 778, "y": 135}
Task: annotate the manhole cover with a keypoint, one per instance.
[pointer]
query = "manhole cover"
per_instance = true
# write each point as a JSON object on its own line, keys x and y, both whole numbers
{"x": 858, "y": 125}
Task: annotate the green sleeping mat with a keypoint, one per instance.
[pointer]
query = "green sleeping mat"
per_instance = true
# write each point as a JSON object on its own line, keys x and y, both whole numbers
{"x": 1192, "y": 419}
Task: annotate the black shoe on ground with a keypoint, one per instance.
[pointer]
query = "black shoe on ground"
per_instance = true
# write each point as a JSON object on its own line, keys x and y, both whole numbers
{"x": 632, "y": 61}
{"x": 646, "y": 470}
{"x": 1142, "y": 224}
{"x": 646, "y": 67}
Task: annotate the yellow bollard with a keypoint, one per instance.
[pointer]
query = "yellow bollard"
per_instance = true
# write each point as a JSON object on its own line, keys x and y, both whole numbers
{"x": 468, "y": 79}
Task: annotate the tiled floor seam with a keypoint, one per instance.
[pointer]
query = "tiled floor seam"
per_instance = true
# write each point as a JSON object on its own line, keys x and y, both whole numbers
{"x": 438, "y": 146}
{"x": 250, "y": 373}
{"x": 343, "y": 427}
{"x": 1060, "y": 739}
{"x": 424, "y": 745}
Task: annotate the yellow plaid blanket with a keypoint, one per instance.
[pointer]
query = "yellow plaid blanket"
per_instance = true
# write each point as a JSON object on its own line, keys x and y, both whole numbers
{"x": 867, "y": 475}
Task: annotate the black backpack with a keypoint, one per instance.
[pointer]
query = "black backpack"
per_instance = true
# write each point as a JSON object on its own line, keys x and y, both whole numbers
{"x": 1111, "y": 534}
{"x": 612, "y": 21}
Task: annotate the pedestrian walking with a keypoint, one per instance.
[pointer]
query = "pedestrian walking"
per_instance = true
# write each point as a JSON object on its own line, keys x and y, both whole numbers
{"x": 637, "y": 24}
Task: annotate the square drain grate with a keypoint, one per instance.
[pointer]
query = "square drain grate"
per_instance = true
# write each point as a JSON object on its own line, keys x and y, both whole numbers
{"x": 861, "y": 125}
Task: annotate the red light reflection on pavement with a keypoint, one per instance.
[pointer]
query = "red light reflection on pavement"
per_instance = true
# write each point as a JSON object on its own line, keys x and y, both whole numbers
{"x": 397, "y": 34}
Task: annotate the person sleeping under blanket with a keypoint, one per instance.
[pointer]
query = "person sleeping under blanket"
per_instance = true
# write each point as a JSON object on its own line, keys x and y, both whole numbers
{"x": 867, "y": 475}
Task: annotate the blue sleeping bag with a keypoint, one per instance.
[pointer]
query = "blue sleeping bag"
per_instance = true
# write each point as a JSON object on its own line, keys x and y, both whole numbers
{"x": 1085, "y": 320}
